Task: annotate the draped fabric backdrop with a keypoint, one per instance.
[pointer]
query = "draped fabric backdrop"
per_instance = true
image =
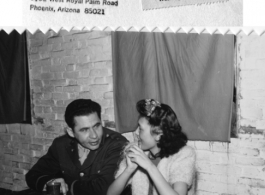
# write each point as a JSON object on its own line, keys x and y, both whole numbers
{"x": 191, "y": 73}
{"x": 14, "y": 81}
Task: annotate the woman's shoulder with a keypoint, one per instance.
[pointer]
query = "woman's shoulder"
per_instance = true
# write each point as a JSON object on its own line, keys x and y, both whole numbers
{"x": 184, "y": 152}
{"x": 182, "y": 166}
{"x": 187, "y": 150}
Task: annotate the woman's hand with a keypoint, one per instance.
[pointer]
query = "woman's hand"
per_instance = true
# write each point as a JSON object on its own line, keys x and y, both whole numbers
{"x": 131, "y": 166}
{"x": 138, "y": 156}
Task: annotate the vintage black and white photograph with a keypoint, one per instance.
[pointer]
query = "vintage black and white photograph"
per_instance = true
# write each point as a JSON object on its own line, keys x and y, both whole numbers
{"x": 102, "y": 112}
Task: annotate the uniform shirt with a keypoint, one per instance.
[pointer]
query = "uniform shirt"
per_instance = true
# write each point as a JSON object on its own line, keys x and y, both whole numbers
{"x": 62, "y": 161}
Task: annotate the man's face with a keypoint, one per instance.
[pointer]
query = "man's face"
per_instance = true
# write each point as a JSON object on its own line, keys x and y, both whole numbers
{"x": 88, "y": 131}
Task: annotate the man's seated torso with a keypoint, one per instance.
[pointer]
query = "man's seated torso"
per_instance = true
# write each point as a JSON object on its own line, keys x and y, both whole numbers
{"x": 62, "y": 161}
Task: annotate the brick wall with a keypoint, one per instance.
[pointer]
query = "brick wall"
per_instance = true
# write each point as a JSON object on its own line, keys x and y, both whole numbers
{"x": 63, "y": 66}
{"x": 239, "y": 167}
{"x": 66, "y": 66}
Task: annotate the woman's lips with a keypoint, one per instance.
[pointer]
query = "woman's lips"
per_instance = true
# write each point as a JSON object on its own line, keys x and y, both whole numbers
{"x": 94, "y": 143}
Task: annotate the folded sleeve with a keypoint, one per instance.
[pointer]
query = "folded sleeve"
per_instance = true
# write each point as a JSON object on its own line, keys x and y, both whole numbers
{"x": 44, "y": 170}
{"x": 183, "y": 166}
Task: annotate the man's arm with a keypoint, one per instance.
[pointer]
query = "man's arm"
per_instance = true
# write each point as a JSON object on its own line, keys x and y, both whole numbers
{"x": 46, "y": 169}
{"x": 98, "y": 183}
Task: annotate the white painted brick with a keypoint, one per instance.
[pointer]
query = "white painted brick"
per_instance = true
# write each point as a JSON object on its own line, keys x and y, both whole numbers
{"x": 249, "y": 64}
{"x": 219, "y": 169}
{"x": 97, "y": 94}
{"x": 229, "y": 179}
{"x": 207, "y": 177}
{"x": 242, "y": 189}
{"x": 255, "y": 48}
{"x": 252, "y": 84}
{"x": 111, "y": 102}
{"x": 234, "y": 170}
{"x": 109, "y": 95}
{"x": 249, "y": 151}
{"x": 110, "y": 88}
{"x": 220, "y": 147}
{"x": 250, "y": 111}
{"x": 234, "y": 142}
{"x": 253, "y": 172}
{"x": 244, "y": 136}
{"x": 203, "y": 167}
{"x": 59, "y": 116}
{"x": 109, "y": 79}
{"x": 263, "y": 111}
{"x": 191, "y": 143}
{"x": 99, "y": 72}
{"x": 257, "y": 136}
{"x": 104, "y": 103}
{"x": 100, "y": 80}
{"x": 105, "y": 117}
{"x": 96, "y": 88}
{"x": 202, "y": 145}
{"x": 227, "y": 159}
{"x": 250, "y": 161}
{"x": 258, "y": 94}
{"x": 233, "y": 149}
{"x": 200, "y": 192}
{"x": 252, "y": 182}
{"x": 260, "y": 64}
{"x": 254, "y": 75}
{"x": 247, "y": 122}
{"x": 257, "y": 191}
{"x": 245, "y": 103}
{"x": 260, "y": 124}
{"x": 252, "y": 143}
{"x": 262, "y": 153}
{"x": 216, "y": 187}
{"x": 202, "y": 155}
{"x": 261, "y": 104}
{"x": 257, "y": 52}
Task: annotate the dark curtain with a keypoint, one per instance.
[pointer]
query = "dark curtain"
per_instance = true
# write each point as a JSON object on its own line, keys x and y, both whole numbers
{"x": 191, "y": 73}
{"x": 14, "y": 79}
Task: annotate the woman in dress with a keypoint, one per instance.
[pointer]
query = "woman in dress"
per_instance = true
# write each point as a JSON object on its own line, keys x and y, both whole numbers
{"x": 161, "y": 163}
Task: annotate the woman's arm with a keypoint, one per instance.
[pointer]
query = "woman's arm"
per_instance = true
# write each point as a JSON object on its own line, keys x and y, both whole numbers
{"x": 162, "y": 186}
{"x": 120, "y": 182}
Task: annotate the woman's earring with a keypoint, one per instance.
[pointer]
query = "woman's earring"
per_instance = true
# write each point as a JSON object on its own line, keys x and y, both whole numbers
{"x": 158, "y": 136}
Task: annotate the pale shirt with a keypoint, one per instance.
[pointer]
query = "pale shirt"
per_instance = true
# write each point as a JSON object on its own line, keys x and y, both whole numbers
{"x": 82, "y": 153}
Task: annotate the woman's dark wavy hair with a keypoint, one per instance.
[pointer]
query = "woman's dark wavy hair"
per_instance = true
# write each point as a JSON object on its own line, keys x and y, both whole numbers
{"x": 163, "y": 118}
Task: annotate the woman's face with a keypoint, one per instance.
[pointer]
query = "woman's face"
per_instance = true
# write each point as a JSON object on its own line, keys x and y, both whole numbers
{"x": 147, "y": 140}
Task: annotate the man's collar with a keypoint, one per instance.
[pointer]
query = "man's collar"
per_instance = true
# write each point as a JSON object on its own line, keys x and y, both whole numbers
{"x": 103, "y": 137}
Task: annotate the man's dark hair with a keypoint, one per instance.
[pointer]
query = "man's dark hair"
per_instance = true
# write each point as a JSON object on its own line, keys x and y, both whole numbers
{"x": 80, "y": 107}
{"x": 162, "y": 118}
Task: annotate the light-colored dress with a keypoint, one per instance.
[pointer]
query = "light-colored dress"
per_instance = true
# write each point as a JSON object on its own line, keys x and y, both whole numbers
{"x": 179, "y": 167}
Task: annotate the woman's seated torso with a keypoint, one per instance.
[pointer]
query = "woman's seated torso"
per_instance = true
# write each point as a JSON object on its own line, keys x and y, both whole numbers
{"x": 179, "y": 167}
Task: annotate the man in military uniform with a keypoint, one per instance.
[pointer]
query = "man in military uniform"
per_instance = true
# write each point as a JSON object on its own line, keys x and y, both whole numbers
{"x": 85, "y": 159}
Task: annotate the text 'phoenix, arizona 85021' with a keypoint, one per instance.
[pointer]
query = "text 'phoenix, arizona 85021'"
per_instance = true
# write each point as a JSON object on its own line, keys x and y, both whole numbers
{"x": 73, "y": 6}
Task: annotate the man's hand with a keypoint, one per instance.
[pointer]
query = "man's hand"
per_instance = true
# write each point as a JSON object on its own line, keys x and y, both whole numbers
{"x": 64, "y": 186}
